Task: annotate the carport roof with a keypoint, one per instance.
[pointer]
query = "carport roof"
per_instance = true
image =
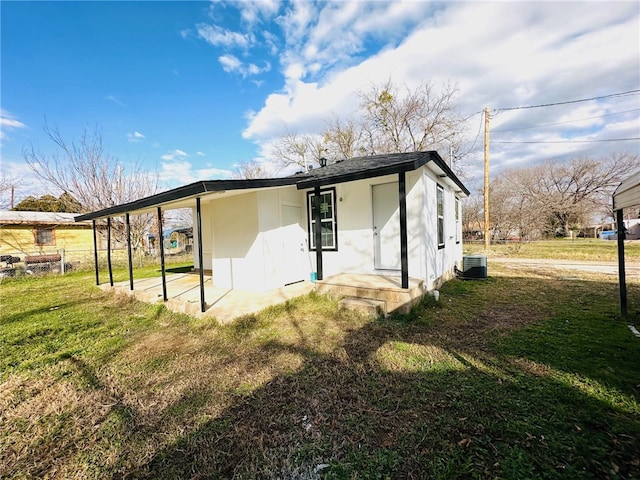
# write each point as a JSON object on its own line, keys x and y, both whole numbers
{"x": 344, "y": 171}
{"x": 628, "y": 193}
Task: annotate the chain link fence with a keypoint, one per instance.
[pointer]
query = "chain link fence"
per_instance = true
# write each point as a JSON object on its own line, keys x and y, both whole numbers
{"x": 62, "y": 261}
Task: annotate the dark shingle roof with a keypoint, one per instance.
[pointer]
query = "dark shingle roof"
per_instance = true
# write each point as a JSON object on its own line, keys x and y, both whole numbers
{"x": 374, "y": 166}
{"x": 345, "y": 171}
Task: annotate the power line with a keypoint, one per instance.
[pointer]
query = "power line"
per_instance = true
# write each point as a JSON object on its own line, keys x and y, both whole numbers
{"x": 471, "y": 115}
{"x": 578, "y": 141}
{"x": 567, "y": 121}
{"x": 477, "y": 135}
{"x": 613, "y": 95}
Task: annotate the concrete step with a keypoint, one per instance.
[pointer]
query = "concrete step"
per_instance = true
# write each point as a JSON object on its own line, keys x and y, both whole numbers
{"x": 386, "y": 289}
{"x": 366, "y": 306}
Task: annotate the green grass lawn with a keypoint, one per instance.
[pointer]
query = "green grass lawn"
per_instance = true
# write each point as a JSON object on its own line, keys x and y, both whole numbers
{"x": 524, "y": 375}
{"x": 589, "y": 249}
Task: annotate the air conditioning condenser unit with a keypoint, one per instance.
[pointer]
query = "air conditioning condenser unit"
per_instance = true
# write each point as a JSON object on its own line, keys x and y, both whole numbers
{"x": 474, "y": 267}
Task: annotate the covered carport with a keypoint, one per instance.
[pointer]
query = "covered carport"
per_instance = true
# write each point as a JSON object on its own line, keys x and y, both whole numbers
{"x": 627, "y": 195}
{"x": 188, "y": 196}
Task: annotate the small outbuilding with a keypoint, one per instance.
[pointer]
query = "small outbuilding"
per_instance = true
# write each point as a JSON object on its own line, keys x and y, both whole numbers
{"x": 42, "y": 233}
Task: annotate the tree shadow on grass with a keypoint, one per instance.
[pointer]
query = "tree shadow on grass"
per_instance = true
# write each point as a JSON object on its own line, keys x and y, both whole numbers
{"x": 403, "y": 400}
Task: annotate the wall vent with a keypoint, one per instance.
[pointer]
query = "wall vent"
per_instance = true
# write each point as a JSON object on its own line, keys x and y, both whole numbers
{"x": 474, "y": 267}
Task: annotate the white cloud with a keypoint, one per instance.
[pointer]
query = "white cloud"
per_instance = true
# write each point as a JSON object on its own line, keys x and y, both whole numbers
{"x": 172, "y": 155}
{"x": 231, "y": 64}
{"x": 114, "y": 99}
{"x": 271, "y": 41}
{"x": 135, "y": 136}
{"x": 8, "y": 122}
{"x": 11, "y": 123}
{"x": 218, "y": 36}
{"x": 175, "y": 172}
{"x": 500, "y": 54}
{"x": 297, "y": 20}
{"x": 22, "y": 178}
{"x": 200, "y": 154}
{"x": 252, "y": 12}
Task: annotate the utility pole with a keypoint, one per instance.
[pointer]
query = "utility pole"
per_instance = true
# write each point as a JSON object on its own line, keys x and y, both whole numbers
{"x": 487, "y": 239}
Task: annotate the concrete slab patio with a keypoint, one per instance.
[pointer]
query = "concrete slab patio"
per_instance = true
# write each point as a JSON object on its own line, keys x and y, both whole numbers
{"x": 225, "y": 305}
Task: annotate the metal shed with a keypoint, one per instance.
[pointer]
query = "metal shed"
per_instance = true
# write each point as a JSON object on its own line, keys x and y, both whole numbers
{"x": 625, "y": 196}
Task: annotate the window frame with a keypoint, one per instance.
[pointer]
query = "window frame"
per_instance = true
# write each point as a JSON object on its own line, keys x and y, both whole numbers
{"x": 440, "y": 216}
{"x": 457, "y": 214}
{"x": 333, "y": 220}
{"x": 47, "y": 243}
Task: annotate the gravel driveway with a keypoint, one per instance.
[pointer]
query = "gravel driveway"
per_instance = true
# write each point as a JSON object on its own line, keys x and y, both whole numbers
{"x": 632, "y": 269}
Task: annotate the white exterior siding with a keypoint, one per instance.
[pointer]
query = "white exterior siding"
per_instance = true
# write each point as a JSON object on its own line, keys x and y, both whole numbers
{"x": 355, "y": 252}
{"x": 238, "y": 256}
{"x": 416, "y": 231}
{"x": 440, "y": 261}
{"x": 253, "y": 241}
{"x": 244, "y": 240}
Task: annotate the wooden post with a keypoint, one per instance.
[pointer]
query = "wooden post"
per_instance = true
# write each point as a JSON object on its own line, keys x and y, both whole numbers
{"x": 487, "y": 239}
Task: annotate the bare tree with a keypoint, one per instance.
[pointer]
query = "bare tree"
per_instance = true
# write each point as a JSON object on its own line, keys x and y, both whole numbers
{"x": 406, "y": 120}
{"x": 389, "y": 119}
{"x": 252, "y": 169}
{"x": 301, "y": 151}
{"x": 558, "y": 197}
{"x": 342, "y": 139}
{"x": 472, "y": 217}
{"x": 93, "y": 177}
{"x": 513, "y": 212}
{"x": 615, "y": 168}
{"x": 7, "y": 188}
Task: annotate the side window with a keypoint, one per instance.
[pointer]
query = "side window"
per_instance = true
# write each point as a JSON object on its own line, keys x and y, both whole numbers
{"x": 458, "y": 227}
{"x": 328, "y": 224}
{"x": 440, "y": 211}
{"x": 44, "y": 236}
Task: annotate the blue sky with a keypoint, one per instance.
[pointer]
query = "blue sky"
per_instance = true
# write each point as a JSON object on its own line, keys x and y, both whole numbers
{"x": 191, "y": 89}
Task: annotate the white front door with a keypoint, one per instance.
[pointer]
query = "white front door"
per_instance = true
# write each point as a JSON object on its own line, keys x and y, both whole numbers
{"x": 386, "y": 226}
{"x": 295, "y": 259}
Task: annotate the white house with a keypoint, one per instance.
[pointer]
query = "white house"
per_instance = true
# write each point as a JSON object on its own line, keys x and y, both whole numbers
{"x": 395, "y": 215}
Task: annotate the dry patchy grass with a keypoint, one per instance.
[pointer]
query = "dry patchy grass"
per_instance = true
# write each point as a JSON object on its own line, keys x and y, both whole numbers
{"x": 525, "y": 375}
{"x": 585, "y": 249}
